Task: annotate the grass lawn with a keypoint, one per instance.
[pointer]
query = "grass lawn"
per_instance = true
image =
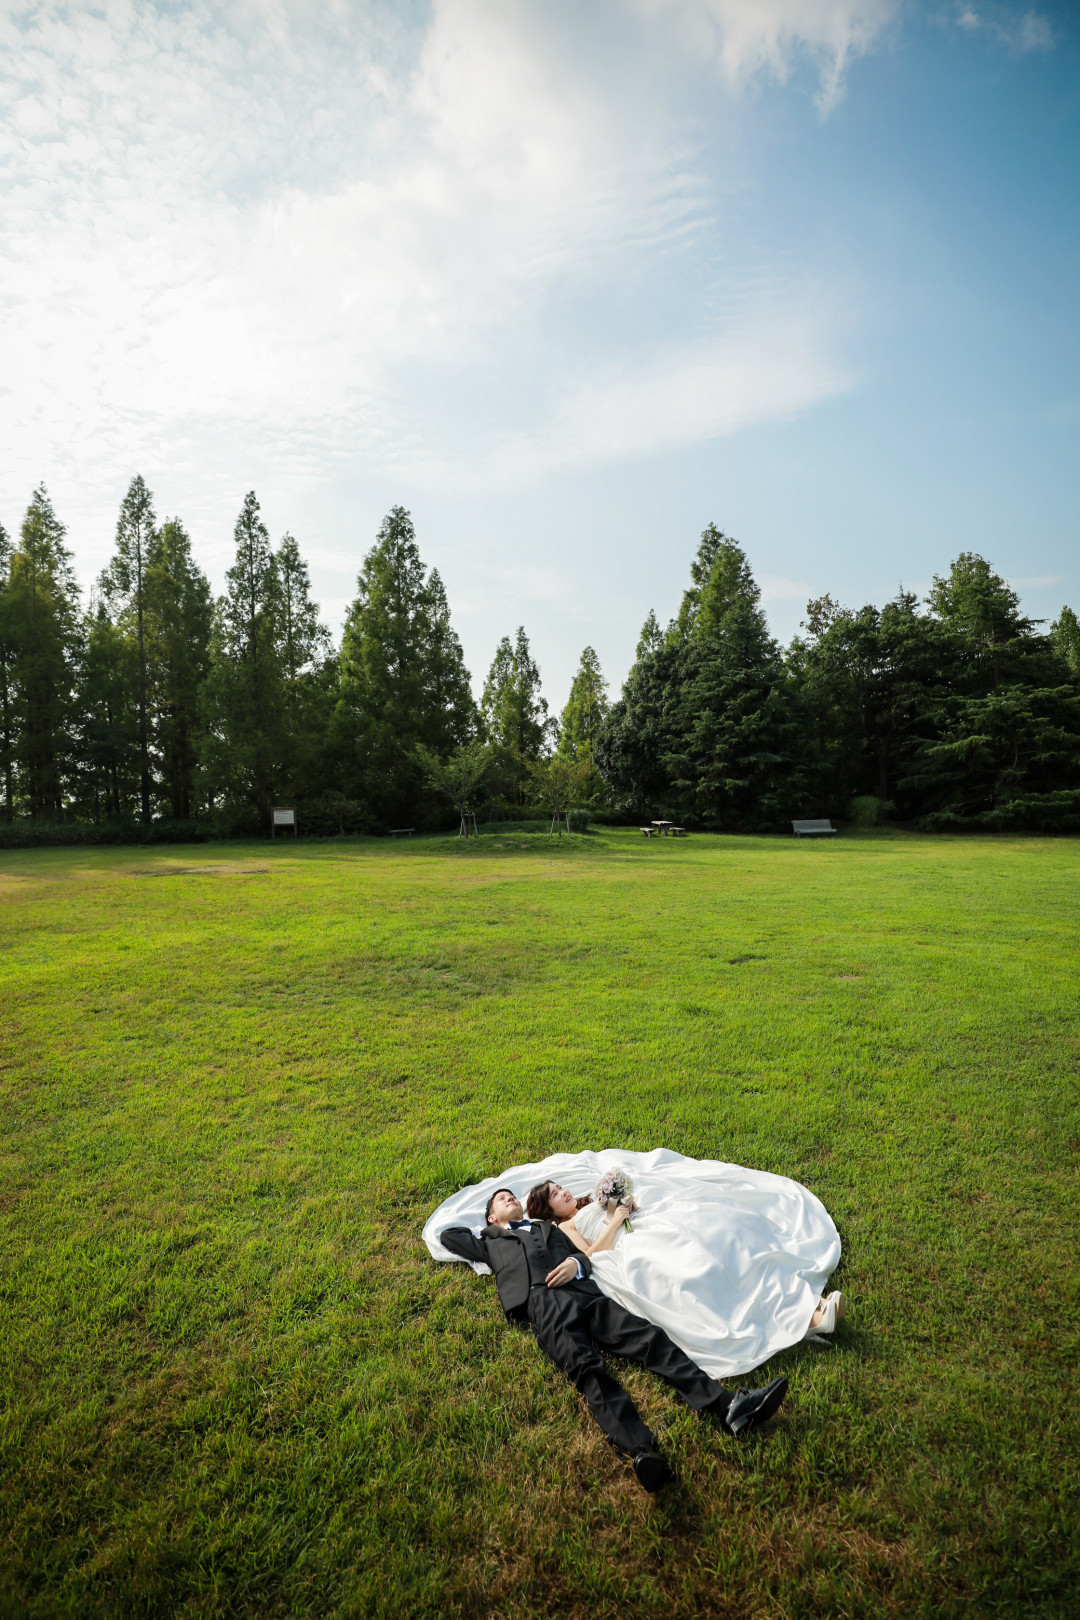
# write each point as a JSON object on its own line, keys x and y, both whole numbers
{"x": 234, "y": 1081}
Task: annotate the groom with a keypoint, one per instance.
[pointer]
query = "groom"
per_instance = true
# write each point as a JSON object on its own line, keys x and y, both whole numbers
{"x": 544, "y": 1282}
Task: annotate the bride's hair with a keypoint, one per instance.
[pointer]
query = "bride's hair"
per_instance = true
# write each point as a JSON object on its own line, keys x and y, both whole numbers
{"x": 538, "y": 1206}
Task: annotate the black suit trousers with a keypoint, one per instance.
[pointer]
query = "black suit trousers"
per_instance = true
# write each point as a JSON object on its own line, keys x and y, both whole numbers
{"x": 576, "y": 1327}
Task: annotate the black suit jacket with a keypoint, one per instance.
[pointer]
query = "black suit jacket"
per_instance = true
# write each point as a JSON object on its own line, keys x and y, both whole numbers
{"x": 507, "y": 1254}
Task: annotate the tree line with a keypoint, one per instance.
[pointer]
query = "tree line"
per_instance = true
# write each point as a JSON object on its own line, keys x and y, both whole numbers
{"x": 158, "y": 705}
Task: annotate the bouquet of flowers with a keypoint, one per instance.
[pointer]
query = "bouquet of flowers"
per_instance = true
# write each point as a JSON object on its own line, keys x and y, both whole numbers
{"x": 615, "y": 1184}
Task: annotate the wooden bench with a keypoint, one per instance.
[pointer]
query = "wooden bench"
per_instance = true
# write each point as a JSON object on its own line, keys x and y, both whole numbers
{"x": 813, "y": 829}
{"x": 677, "y": 832}
{"x": 395, "y": 831}
{"x": 646, "y": 832}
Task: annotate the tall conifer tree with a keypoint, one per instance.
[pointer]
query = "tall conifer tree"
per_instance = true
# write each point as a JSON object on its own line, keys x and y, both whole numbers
{"x": 707, "y": 726}
{"x": 515, "y": 713}
{"x": 308, "y": 671}
{"x": 403, "y": 678}
{"x": 1005, "y": 744}
{"x": 1066, "y": 633}
{"x": 179, "y": 622}
{"x": 303, "y": 641}
{"x": 586, "y": 709}
{"x": 7, "y": 690}
{"x": 245, "y": 694}
{"x": 43, "y": 615}
{"x": 629, "y": 748}
{"x": 108, "y": 724}
{"x": 734, "y": 752}
{"x": 124, "y": 583}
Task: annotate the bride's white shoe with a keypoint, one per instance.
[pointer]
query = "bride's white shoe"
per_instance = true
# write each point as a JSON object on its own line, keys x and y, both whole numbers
{"x": 833, "y": 1311}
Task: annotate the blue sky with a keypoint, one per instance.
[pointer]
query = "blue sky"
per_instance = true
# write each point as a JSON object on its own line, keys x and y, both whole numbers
{"x": 567, "y": 281}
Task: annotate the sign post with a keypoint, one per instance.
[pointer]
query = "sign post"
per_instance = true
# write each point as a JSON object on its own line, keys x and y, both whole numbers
{"x": 283, "y": 816}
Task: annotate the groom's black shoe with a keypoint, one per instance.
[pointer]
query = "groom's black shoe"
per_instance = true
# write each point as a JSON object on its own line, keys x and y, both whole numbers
{"x": 652, "y": 1471}
{"x": 750, "y": 1407}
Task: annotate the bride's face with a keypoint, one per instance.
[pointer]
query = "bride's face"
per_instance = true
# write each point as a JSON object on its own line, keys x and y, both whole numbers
{"x": 562, "y": 1201}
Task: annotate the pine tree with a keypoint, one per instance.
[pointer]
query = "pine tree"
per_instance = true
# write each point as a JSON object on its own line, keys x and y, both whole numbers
{"x": 872, "y": 681}
{"x": 1065, "y": 631}
{"x": 735, "y": 753}
{"x": 449, "y": 690}
{"x": 585, "y": 711}
{"x": 709, "y": 725}
{"x": 7, "y": 689}
{"x": 245, "y": 693}
{"x": 515, "y": 714}
{"x": 651, "y": 637}
{"x": 1005, "y": 746}
{"x": 303, "y": 642}
{"x": 46, "y": 630}
{"x": 977, "y": 603}
{"x": 582, "y": 721}
{"x": 308, "y": 670}
{"x": 108, "y": 720}
{"x": 179, "y": 622}
{"x": 632, "y": 742}
{"x": 403, "y": 680}
{"x": 124, "y": 584}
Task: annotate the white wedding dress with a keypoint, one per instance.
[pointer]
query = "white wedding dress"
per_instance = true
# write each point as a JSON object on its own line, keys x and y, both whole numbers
{"x": 730, "y": 1262}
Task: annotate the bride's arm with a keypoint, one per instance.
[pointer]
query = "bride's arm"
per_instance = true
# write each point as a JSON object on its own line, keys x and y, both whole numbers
{"x": 575, "y": 1236}
{"x": 608, "y": 1235}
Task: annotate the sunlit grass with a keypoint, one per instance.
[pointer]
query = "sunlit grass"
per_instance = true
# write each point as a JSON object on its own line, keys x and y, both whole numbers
{"x": 235, "y": 1080}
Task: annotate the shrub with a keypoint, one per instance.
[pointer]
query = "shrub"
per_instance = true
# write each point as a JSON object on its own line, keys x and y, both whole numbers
{"x": 867, "y": 811}
{"x": 577, "y": 821}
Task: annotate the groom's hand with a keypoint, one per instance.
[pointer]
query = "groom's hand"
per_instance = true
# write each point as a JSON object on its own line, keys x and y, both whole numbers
{"x": 564, "y": 1272}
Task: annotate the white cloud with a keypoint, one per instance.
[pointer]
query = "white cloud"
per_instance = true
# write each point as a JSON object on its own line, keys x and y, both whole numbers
{"x": 272, "y": 238}
{"x": 771, "y": 366}
{"x": 749, "y": 39}
{"x": 1018, "y": 31}
{"x": 775, "y": 588}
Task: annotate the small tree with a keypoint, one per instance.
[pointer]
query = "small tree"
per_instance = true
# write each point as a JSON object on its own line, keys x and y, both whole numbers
{"x": 559, "y": 782}
{"x": 460, "y": 777}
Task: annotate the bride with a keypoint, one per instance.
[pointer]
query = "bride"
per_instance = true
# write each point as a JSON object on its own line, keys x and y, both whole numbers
{"x": 730, "y": 1261}
{"x": 673, "y": 1275}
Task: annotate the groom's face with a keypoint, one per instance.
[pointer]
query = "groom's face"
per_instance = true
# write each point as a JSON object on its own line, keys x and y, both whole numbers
{"x": 505, "y": 1207}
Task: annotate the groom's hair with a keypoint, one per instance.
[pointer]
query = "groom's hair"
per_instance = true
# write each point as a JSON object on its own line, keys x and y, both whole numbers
{"x": 491, "y": 1200}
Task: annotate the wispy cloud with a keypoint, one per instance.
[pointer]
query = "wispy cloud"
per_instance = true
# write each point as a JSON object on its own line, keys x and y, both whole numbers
{"x": 775, "y": 588}
{"x": 752, "y": 39}
{"x": 773, "y": 364}
{"x": 1018, "y": 31}
{"x": 281, "y": 238}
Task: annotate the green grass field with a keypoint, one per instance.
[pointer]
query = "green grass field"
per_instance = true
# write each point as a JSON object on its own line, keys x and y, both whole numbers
{"x": 236, "y": 1079}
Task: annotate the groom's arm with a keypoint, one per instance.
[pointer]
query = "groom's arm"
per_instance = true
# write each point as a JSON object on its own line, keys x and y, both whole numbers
{"x": 463, "y": 1242}
{"x": 584, "y": 1264}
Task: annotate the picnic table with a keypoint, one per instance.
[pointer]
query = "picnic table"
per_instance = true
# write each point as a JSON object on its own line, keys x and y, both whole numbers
{"x": 663, "y": 829}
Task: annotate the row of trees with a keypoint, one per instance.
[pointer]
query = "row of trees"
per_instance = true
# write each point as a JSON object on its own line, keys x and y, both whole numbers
{"x": 157, "y": 701}
{"x": 954, "y": 712}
